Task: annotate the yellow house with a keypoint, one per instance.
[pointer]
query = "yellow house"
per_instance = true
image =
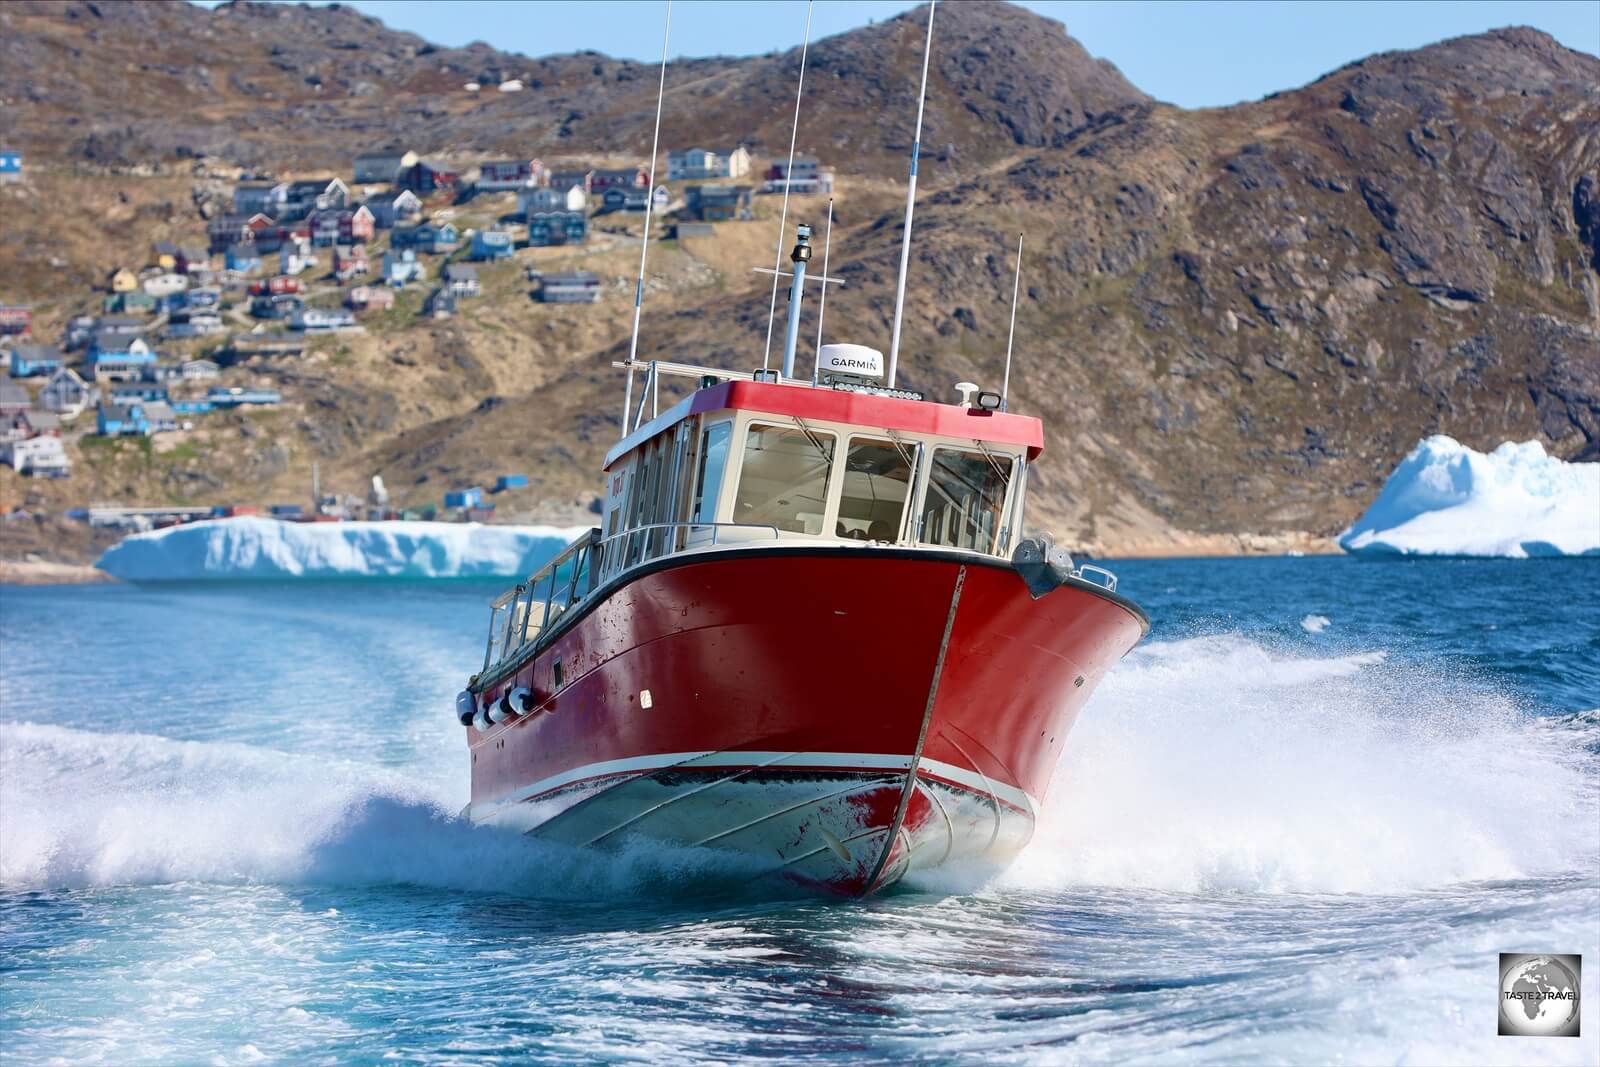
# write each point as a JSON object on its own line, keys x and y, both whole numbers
{"x": 124, "y": 280}
{"x": 166, "y": 255}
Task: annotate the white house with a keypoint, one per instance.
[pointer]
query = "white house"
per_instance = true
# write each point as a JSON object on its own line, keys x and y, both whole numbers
{"x": 316, "y": 319}
{"x": 36, "y": 456}
{"x": 199, "y": 370}
{"x": 702, "y": 164}
{"x": 166, "y": 284}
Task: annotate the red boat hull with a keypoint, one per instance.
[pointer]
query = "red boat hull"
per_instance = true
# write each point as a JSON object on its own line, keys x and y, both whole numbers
{"x": 904, "y": 710}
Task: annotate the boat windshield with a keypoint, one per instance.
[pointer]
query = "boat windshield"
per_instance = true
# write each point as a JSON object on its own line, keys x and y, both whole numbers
{"x": 783, "y": 481}
{"x": 877, "y": 480}
{"x": 965, "y": 498}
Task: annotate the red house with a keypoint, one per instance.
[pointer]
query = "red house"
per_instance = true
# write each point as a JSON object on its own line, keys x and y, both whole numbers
{"x": 275, "y": 286}
{"x": 16, "y": 320}
{"x": 495, "y": 174}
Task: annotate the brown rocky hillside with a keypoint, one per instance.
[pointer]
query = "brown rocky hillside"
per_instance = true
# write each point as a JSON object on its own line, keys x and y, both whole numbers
{"x": 1234, "y": 320}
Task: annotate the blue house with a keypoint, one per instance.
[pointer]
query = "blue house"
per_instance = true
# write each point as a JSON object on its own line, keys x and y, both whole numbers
{"x": 464, "y": 498}
{"x": 29, "y": 360}
{"x": 433, "y": 237}
{"x": 10, "y": 165}
{"x": 242, "y": 257}
{"x": 492, "y": 245}
{"x": 557, "y": 228}
{"x": 140, "y": 419}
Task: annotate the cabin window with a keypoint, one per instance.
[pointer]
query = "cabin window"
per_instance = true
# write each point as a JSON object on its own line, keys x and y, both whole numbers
{"x": 708, "y": 480}
{"x": 877, "y": 480}
{"x": 965, "y": 498}
{"x": 784, "y": 479}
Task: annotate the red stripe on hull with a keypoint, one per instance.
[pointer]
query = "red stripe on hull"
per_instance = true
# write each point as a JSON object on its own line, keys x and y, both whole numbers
{"x": 845, "y": 666}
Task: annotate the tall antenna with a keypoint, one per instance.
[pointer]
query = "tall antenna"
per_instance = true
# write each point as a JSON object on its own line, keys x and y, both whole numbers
{"x": 644, "y": 245}
{"x": 822, "y": 303}
{"x": 788, "y": 180}
{"x": 1016, "y": 286}
{"x": 911, "y": 202}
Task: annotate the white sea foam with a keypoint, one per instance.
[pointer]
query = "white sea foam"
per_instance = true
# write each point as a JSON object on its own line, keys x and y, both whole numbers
{"x": 1209, "y": 764}
{"x": 266, "y": 548}
{"x": 1444, "y": 499}
{"x": 1315, "y": 624}
{"x": 1218, "y": 763}
{"x": 79, "y": 808}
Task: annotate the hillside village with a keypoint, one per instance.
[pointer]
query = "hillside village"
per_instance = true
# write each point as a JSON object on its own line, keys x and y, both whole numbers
{"x": 286, "y": 262}
{"x": 1233, "y": 321}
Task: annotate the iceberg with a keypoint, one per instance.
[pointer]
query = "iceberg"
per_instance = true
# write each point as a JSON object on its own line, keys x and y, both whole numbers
{"x": 1445, "y": 499}
{"x": 252, "y": 548}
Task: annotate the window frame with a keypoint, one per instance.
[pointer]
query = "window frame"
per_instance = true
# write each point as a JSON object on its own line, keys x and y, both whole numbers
{"x": 1005, "y": 535}
{"x": 917, "y": 446}
{"x": 830, "y": 489}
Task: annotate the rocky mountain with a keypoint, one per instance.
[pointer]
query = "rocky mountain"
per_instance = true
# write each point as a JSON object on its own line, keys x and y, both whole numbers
{"x": 282, "y": 86}
{"x": 1234, "y": 320}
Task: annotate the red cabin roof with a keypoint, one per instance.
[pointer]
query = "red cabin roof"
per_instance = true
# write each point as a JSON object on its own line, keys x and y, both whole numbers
{"x": 859, "y": 409}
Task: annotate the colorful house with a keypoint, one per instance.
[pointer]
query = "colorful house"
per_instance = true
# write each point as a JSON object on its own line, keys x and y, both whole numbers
{"x": 496, "y": 175}
{"x": 434, "y": 237}
{"x": 123, "y": 280}
{"x": 15, "y": 320}
{"x": 10, "y": 165}
{"x": 557, "y": 228}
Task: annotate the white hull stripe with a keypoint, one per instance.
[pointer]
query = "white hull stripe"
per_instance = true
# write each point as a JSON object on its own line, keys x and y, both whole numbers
{"x": 853, "y": 761}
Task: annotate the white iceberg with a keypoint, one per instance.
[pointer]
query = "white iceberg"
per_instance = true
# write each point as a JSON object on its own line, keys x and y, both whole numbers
{"x": 250, "y": 548}
{"x": 1445, "y": 499}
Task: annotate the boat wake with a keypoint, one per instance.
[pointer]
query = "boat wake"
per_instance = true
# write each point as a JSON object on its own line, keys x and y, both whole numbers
{"x": 1221, "y": 763}
{"x": 1204, "y": 765}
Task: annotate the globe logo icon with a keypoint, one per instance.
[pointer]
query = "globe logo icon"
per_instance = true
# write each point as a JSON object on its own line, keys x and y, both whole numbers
{"x": 1539, "y": 995}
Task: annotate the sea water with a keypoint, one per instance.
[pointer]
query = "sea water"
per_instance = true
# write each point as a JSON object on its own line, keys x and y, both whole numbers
{"x": 1296, "y": 825}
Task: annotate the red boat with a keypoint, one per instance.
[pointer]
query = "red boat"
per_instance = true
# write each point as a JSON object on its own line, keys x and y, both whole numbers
{"x": 808, "y": 633}
{"x": 809, "y": 636}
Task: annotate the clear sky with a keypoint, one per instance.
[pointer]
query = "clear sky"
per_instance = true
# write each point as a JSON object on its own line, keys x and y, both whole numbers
{"x": 1199, "y": 53}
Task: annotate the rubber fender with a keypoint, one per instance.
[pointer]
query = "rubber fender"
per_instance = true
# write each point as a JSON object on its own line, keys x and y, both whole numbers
{"x": 466, "y": 706}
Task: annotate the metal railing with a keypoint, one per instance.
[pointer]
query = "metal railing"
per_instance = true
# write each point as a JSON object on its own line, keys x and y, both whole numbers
{"x": 520, "y": 615}
{"x": 1107, "y": 580}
